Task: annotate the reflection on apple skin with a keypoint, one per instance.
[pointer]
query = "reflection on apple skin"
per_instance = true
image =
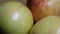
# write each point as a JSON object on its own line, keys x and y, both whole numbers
{"x": 15, "y": 16}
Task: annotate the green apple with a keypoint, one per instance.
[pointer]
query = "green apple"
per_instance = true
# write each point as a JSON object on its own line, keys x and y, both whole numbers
{"x": 22, "y": 1}
{"x": 48, "y": 25}
{"x": 16, "y": 18}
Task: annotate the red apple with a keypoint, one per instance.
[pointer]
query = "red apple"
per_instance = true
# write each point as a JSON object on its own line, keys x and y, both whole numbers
{"x": 42, "y": 8}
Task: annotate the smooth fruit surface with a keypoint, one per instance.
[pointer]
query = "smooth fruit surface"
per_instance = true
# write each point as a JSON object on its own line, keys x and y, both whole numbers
{"x": 43, "y": 8}
{"x": 16, "y": 18}
{"x": 22, "y": 1}
{"x": 48, "y": 25}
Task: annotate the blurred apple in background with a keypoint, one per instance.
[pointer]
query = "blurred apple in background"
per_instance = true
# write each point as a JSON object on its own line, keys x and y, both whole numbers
{"x": 42, "y": 8}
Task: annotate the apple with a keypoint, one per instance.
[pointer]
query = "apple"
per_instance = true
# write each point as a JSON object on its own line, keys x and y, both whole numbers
{"x": 43, "y": 8}
{"x": 22, "y": 1}
{"x": 48, "y": 25}
{"x": 16, "y": 18}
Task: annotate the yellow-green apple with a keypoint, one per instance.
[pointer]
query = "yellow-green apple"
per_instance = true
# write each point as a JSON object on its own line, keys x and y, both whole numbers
{"x": 16, "y": 18}
{"x": 47, "y": 25}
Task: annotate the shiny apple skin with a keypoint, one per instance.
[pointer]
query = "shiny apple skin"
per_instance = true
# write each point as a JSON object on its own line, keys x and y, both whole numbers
{"x": 43, "y": 8}
{"x": 16, "y": 18}
{"x": 48, "y": 25}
